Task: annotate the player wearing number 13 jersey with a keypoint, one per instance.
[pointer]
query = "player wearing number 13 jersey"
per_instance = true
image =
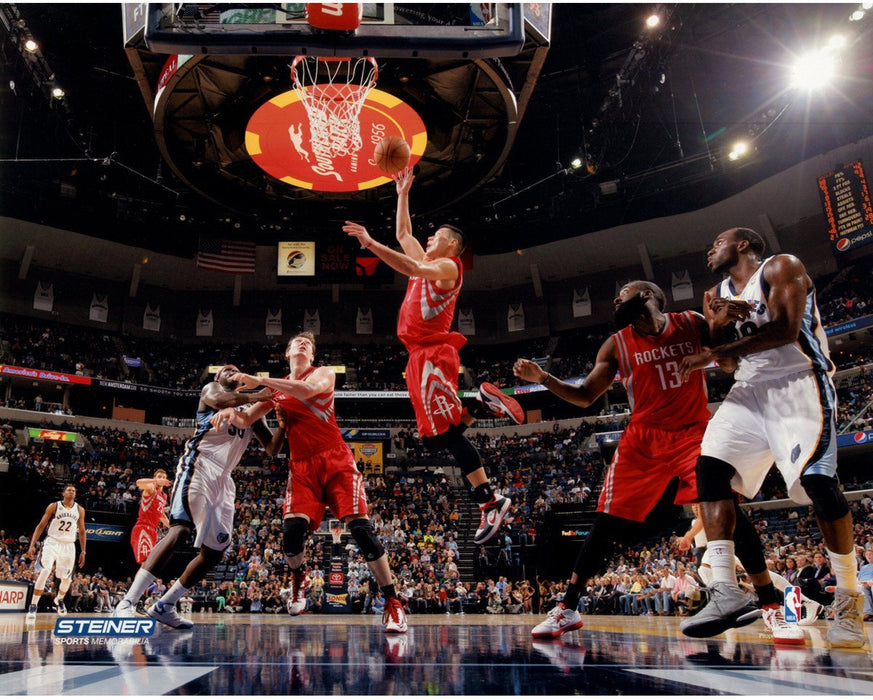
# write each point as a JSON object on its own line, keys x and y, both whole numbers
{"x": 660, "y": 444}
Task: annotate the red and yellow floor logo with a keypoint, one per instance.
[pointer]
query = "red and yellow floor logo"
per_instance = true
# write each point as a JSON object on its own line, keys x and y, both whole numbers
{"x": 282, "y": 141}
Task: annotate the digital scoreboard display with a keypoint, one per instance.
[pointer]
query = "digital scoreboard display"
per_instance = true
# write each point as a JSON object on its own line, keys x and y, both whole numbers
{"x": 846, "y": 201}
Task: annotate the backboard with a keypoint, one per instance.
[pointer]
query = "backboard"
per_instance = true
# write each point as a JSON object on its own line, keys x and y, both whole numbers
{"x": 387, "y": 30}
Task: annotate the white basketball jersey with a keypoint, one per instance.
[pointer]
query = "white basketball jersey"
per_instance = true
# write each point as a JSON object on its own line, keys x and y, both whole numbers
{"x": 808, "y": 352}
{"x": 64, "y": 527}
{"x": 219, "y": 449}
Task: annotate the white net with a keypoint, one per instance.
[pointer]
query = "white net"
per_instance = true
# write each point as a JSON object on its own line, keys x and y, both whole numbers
{"x": 333, "y": 91}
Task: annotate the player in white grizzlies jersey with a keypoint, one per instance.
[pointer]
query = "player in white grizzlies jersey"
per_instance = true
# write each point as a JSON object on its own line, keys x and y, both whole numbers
{"x": 203, "y": 497}
{"x": 66, "y": 521}
{"x": 766, "y": 326}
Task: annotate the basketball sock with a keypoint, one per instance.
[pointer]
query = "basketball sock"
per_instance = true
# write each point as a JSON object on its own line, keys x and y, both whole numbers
{"x": 141, "y": 581}
{"x": 483, "y": 493}
{"x": 845, "y": 568}
{"x": 767, "y": 595}
{"x": 723, "y": 561}
{"x": 177, "y": 590}
{"x": 571, "y": 597}
{"x": 389, "y": 591}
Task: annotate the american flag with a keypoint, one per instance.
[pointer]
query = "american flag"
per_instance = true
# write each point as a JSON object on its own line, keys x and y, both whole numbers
{"x": 237, "y": 257}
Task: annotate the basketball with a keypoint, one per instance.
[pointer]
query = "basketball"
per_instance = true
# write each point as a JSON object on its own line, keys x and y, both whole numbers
{"x": 391, "y": 154}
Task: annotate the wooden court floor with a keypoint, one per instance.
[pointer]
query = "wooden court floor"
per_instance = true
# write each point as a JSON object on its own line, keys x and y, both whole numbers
{"x": 320, "y": 655}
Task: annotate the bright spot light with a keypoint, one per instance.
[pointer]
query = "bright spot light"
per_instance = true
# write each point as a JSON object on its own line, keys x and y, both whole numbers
{"x": 31, "y": 45}
{"x": 576, "y": 163}
{"x": 866, "y": 5}
{"x": 813, "y": 71}
{"x": 741, "y": 148}
{"x": 653, "y": 21}
{"x": 837, "y": 41}
{"x": 733, "y": 155}
{"x": 57, "y": 93}
{"x": 857, "y": 16}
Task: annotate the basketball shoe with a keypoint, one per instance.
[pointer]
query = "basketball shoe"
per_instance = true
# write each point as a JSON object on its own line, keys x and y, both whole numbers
{"x": 557, "y": 622}
{"x": 847, "y": 629}
{"x": 728, "y": 607}
{"x": 59, "y": 604}
{"x": 297, "y": 604}
{"x": 493, "y": 514}
{"x": 124, "y": 609}
{"x": 782, "y": 632}
{"x": 394, "y": 618}
{"x": 31, "y": 613}
{"x": 811, "y": 610}
{"x": 498, "y": 403}
{"x": 168, "y": 615}
{"x": 564, "y": 657}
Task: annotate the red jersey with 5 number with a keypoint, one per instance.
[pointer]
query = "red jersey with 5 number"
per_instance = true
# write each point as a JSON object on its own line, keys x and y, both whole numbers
{"x": 151, "y": 508}
{"x": 648, "y": 366}
{"x": 310, "y": 424}
{"x": 427, "y": 311}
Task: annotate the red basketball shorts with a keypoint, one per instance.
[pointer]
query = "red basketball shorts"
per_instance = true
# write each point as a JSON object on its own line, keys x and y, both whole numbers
{"x": 646, "y": 460}
{"x": 143, "y": 538}
{"x": 432, "y": 380}
{"x": 329, "y": 478}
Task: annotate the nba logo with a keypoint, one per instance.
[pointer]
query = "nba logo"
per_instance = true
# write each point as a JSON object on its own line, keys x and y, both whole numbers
{"x": 792, "y": 604}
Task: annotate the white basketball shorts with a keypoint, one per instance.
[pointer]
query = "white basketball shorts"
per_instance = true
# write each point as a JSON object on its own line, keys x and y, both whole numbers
{"x": 61, "y": 555}
{"x": 204, "y": 497}
{"x": 789, "y": 420}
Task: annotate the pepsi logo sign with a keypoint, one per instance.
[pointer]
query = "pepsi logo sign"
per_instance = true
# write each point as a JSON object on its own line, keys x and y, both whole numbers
{"x": 861, "y": 438}
{"x": 843, "y": 244}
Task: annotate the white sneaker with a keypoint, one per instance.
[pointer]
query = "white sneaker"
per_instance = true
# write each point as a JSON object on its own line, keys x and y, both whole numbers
{"x": 297, "y": 604}
{"x": 492, "y": 517}
{"x": 847, "y": 629}
{"x": 59, "y": 604}
{"x": 557, "y": 622}
{"x": 783, "y": 632}
{"x": 169, "y": 616}
{"x": 811, "y": 610}
{"x": 394, "y": 618}
{"x": 124, "y": 609}
{"x": 500, "y": 404}
{"x": 31, "y": 614}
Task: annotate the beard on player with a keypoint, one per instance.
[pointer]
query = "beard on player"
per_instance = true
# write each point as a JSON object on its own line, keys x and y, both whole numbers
{"x": 630, "y": 310}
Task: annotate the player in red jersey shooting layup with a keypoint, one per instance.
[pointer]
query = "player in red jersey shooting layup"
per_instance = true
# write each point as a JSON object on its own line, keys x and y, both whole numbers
{"x": 662, "y": 441}
{"x": 423, "y": 326}
{"x": 144, "y": 535}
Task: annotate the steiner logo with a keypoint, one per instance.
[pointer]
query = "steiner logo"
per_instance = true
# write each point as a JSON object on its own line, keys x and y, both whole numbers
{"x": 104, "y": 627}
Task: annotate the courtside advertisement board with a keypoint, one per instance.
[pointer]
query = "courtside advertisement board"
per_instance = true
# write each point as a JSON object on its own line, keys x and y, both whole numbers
{"x": 101, "y": 630}
{"x": 13, "y": 596}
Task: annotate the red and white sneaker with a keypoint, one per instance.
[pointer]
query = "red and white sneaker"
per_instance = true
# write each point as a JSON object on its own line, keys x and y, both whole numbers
{"x": 500, "y": 404}
{"x": 297, "y": 604}
{"x": 557, "y": 622}
{"x": 493, "y": 514}
{"x": 783, "y": 632}
{"x": 394, "y": 618}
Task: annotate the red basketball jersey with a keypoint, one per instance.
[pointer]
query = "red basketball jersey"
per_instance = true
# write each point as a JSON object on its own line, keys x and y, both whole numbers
{"x": 310, "y": 424}
{"x": 427, "y": 311}
{"x": 649, "y": 369}
{"x": 151, "y": 508}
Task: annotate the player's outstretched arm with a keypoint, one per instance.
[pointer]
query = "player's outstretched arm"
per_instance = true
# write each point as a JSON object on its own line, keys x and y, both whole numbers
{"x": 403, "y": 227}
{"x": 583, "y": 395}
{"x": 437, "y": 270}
{"x": 214, "y": 396}
{"x": 83, "y": 537}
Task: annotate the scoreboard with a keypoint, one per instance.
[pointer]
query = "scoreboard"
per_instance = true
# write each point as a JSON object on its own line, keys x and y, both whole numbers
{"x": 846, "y": 201}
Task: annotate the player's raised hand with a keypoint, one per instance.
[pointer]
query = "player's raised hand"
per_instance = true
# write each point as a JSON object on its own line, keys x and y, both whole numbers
{"x": 403, "y": 180}
{"x": 220, "y": 418}
{"x": 359, "y": 232}
{"x": 725, "y": 311}
{"x": 246, "y": 381}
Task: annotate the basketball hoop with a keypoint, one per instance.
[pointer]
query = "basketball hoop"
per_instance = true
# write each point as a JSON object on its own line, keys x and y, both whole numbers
{"x": 336, "y": 532}
{"x": 333, "y": 91}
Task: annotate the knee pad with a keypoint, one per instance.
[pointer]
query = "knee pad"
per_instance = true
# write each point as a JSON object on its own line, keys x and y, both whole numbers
{"x": 713, "y": 479}
{"x": 828, "y": 500}
{"x": 294, "y": 535}
{"x": 747, "y": 543}
{"x": 362, "y": 531}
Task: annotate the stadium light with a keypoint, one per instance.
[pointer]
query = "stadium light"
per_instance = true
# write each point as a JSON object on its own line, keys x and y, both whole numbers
{"x": 856, "y": 16}
{"x": 30, "y": 46}
{"x": 813, "y": 70}
{"x": 58, "y": 93}
{"x": 576, "y": 163}
{"x": 740, "y": 149}
{"x": 653, "y": 21}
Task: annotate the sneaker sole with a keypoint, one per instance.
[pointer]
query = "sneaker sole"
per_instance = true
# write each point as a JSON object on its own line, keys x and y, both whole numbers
{"x": 558, "y": 633}
{"x": 516, "y": 412}
{"x": 786, "y": 641}
{"x": 847, "y": 643}
{"x": 504, "y": 509}
{"x": 164, "y": 622}
{"x": 710, "y": 628}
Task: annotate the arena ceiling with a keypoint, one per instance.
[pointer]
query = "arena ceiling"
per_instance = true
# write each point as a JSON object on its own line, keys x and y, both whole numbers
{"x": 652, "y": 114}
